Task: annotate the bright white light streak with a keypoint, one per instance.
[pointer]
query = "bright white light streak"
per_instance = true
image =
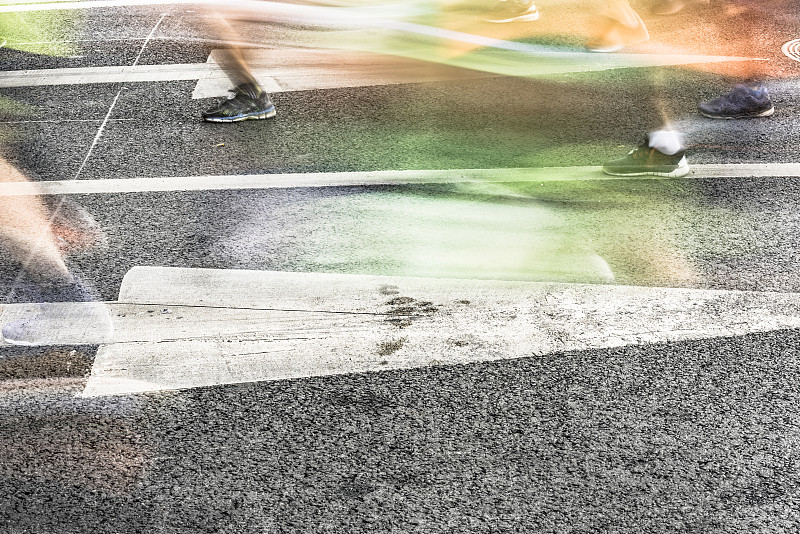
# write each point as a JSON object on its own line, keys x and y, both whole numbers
{"x": 352, "y": 18}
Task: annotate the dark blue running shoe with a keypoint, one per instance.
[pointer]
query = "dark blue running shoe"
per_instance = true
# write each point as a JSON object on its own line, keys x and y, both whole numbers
{"x": 245, "y": 103}
{"x": 742, "y": 102}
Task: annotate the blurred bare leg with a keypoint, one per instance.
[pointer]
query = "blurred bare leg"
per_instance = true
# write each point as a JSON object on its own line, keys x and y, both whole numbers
{"x": 235, "y": 66}
{"x": 620, "y": 26}
{"x": 249, "y": 100}
{"x": 26, "y": 233}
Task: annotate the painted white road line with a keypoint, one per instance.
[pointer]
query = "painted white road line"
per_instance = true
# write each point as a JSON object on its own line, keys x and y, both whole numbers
{"x": 744, "y": 170}
{"x": 113, "y": 74}
{"x": 134, "y": 323}
{"x": 371, "y": 178}
{"x": 279, "y": 325}
{"x": 292, "y": 70}
{"x": 100, "y": 130}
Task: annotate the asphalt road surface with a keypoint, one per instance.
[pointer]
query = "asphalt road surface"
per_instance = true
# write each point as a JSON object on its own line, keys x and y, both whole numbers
{"x": 691, "y": 436}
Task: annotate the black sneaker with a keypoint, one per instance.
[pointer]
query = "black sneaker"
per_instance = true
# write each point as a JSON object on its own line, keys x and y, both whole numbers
{"x": 512, "y": 11}
{"x": 647, "y": 161}
{"x": 742, "y": 102}
{"x": 246, "y": 102}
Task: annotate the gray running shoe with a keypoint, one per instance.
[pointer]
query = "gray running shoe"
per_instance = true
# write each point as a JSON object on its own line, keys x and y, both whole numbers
{"x": 246, "y": 102}
{"x": 647, "y": 161}
{"x": 742, "y": 102}
{"x": 512, "y": 11}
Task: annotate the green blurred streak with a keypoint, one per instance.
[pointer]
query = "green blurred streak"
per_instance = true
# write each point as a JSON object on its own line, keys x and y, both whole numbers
{"x": 48, "y": 33}
{"x": 42, "y": 32}
{"x": 630, "y": 231}
{"x": 450, "y": 236}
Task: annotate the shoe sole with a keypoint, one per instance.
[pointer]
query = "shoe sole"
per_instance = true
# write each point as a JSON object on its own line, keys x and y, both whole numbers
{"x": 253, "y": 116}
{"x": 680, "y": 172}
{"x": 765, "y": 113}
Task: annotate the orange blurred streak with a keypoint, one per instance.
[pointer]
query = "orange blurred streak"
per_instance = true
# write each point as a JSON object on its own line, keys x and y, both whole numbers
{"x": 26, "y": 233}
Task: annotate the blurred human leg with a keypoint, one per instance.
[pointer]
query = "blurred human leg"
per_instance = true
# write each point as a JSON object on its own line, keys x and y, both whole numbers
{"x": 248, "y": 99}
{"x": 26, "y": 233}
{"x": 663, "y": 152}
{"x": 620, "y": 26}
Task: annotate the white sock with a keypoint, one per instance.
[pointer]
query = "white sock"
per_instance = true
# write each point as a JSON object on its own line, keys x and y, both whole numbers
{"x": 667, "y": 142}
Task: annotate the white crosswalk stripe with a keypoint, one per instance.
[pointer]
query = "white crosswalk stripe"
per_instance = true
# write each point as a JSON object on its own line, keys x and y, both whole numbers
{"x": 183, "y": 328}
{"x": 372, "y": 178}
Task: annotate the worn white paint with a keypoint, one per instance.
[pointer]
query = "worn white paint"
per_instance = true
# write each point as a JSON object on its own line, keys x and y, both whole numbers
{"x": 112, "y": 74}
{"x": 183, "y": 328}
